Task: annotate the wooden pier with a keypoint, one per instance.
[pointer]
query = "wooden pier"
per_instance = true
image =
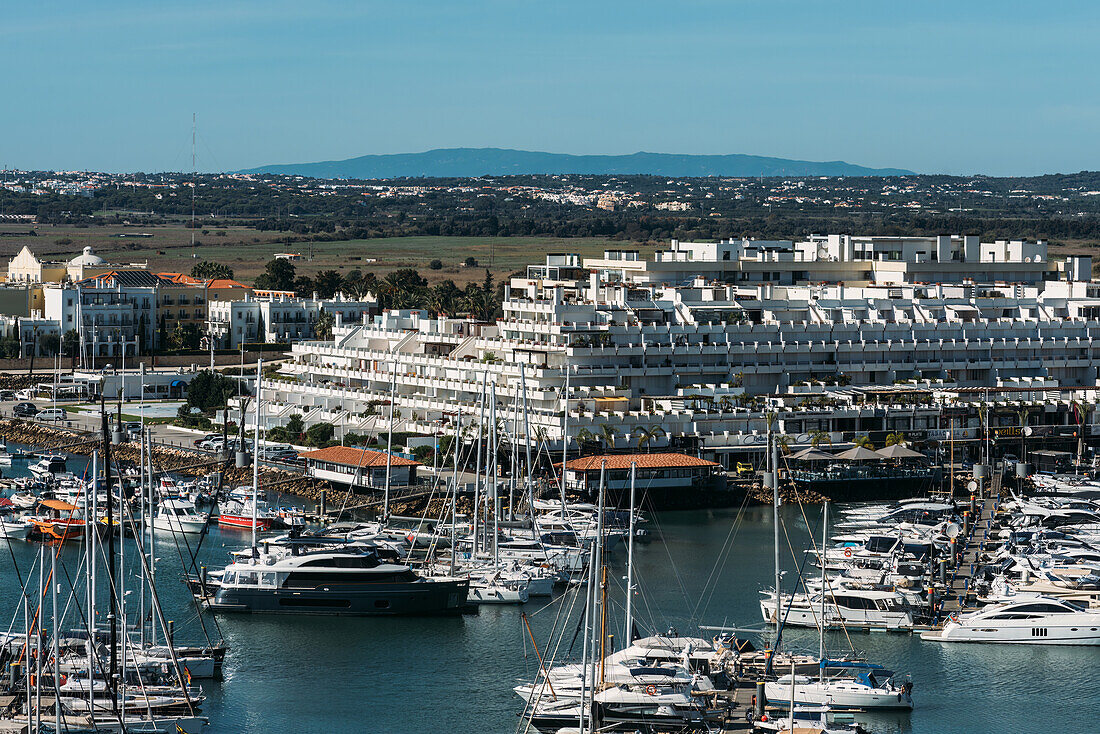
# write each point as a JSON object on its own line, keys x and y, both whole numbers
{"x": 960, "y": 594}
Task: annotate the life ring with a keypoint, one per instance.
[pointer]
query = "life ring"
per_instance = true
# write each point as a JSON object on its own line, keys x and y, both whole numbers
{"x": 847, "y": 552}
{"x": 651, "y": 690}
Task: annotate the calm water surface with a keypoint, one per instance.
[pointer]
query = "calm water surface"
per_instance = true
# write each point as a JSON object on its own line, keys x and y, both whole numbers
{"x": 344, "y": 675}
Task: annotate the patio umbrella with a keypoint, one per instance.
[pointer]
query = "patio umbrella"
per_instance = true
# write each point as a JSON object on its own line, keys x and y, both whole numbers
{"x": 811, "y": 454}
{"x": 859, "y": 453}
{"x": 897, "y": 451}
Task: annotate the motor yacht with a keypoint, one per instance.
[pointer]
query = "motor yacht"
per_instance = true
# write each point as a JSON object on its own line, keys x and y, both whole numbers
{"x": 844, "y": 607}
{"x": 179, "y": 516}
{"x": 47, "y": 466}
{"x": 341, "y": 582}
{"x": 1035, "y": 621}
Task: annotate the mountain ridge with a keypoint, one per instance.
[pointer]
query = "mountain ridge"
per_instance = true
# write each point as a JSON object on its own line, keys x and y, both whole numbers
{"x": 474, "y": 162}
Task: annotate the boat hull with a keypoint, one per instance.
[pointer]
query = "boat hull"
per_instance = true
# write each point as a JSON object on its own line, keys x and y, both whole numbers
{"x": 244, "y": 522}
{"x": 843, "y": 697}
{"x": 381, "y": 599}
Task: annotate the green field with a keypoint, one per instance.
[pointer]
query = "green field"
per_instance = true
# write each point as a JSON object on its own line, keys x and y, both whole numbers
{"x": 247, "y": 250}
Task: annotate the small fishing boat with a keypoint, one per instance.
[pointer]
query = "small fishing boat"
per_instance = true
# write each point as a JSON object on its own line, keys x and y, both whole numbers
{"x": 237, "y": 511}
{"x": 14, "y": 528}
{"x": 58, "y": 523}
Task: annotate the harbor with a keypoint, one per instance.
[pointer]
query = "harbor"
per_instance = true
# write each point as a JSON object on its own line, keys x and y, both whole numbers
{"x": 700, "y": 581}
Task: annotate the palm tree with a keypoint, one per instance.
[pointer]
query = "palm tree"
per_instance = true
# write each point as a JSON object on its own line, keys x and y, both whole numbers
{"x": 725, "y": 404}
{"x": 864, "y": 441}
{"x": 784, "y": 443}
{"x": 585, "y": 436}
{"x": 647, "y": 435}
{"x": 895, "y": 439}
{"x": 607, "y": 435}
{"x": 819, "y": 437}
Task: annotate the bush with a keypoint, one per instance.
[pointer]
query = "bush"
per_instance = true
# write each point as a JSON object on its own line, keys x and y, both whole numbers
{"x": 210, "y": 391}
{"x": 436, "y": 265}
{"x": 319, "y": 434}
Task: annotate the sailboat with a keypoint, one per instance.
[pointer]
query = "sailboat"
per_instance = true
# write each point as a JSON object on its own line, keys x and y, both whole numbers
{"x": 847, "y": 684}
{"x": 92, "y": 679}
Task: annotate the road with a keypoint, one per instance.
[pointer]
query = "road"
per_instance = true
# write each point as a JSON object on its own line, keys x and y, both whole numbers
{"x": 91, "y": 421}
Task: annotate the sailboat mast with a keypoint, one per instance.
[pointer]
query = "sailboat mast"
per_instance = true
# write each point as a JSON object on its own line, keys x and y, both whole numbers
{"x": 629, "y": 637}
{"x": 112, "y": 620}
{"x": 564, "y": 440}
{"x": 477, "y": 471}
{"x": 56, "y": 647}
{"x": 256, "y": 452}
{"x": 389, "y": 446}
{"x": 527, "y": 442}
{"x": 457, "y": 443}
{"x": 773, "y": 473}
{"x": 824, "y": 583}
{"x": 493, "y": 474}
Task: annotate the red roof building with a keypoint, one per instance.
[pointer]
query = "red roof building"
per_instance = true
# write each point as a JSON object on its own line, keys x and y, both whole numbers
{"x": 669, "y": 476}
{"x": 359, "y": 468}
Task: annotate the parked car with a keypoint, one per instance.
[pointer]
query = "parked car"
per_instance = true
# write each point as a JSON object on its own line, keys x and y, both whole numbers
{"x": 206, "y": 439}
{"x": 24, "y": 395}
{"x": 132, "y": 429}
{"x": 745, "y": 470}
{"x": 7, "y": 395}
{"x": 211, "y": 443}
{"x": 25, "y": 410}
{"x": 52, "y": 414}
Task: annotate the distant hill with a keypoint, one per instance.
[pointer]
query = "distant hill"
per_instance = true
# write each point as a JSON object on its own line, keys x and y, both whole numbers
{"x": 469, "y": 162}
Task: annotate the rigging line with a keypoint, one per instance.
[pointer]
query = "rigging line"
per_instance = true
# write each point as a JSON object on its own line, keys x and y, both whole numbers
{"x": 176, "y": 541}
{"x": 708, "y": 589}
{"x": 646, "y": 500}
{"x": 533, "y": 701}
{"x": 828, "y": 588}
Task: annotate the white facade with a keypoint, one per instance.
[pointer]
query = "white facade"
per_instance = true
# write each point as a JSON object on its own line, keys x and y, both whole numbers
{"x": 279, "y": 319}
{"x": 697, "y": 357}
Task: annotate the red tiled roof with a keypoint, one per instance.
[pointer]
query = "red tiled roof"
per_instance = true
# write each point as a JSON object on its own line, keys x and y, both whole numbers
{"x": 349, "y": 456}
{"x": 181, "y": 279}
{"x": 642, "y": 461}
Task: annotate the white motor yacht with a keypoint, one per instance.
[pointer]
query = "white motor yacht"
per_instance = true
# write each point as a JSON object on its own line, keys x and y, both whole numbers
{"x": 1036, "y": 621}
{"x": 47, "y": 466}
{"x": 844, "y": 607}
{"x": 179, "y": 516}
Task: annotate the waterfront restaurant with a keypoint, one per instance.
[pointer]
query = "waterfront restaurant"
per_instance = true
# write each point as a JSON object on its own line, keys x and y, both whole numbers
{"x": 348, "y": 466}
{"x": 663, "y": 472}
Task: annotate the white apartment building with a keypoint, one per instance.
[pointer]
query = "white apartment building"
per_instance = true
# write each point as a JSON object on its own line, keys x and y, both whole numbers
{"x": 278, "y": 318}
{"x": 114, "y": 313}
{"x": 685, "y": 343}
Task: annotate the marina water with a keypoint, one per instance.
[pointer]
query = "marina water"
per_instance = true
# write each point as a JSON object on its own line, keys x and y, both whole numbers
{"x": 341, "y": 675}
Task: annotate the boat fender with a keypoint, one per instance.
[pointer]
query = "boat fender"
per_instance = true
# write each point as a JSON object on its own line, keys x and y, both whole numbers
{"x": 651, "y": 690}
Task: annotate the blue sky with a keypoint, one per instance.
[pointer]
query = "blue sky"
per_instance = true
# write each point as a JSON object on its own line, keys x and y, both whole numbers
{"x": 940, "y": 87}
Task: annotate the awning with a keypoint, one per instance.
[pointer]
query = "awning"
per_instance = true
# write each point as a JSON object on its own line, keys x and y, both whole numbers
{"x": 897, "y": 451}
{"x": 858, "y": 453}
{"x": 58, "y": 505}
